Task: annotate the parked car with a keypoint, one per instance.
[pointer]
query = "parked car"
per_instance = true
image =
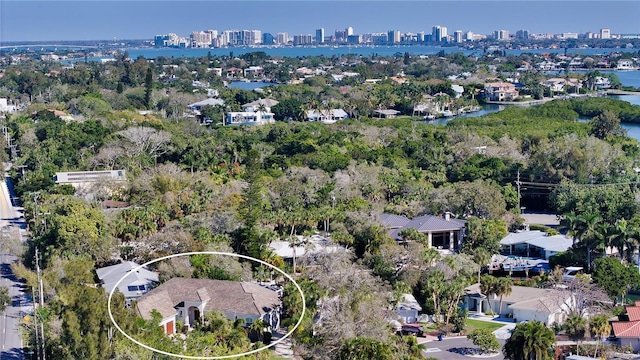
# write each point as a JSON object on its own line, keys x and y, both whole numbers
{"x": 412, "y": 329}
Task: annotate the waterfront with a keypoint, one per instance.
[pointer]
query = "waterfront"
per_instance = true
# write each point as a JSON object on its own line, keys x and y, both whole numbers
{"x": 329, "y": 51}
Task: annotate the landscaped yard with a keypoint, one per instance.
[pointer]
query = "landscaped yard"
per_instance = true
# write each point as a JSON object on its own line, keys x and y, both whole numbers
{"x": 473, "y": 324}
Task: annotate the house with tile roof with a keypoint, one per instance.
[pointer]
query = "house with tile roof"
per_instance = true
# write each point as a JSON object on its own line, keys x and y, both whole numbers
{"x": 187, "y": 300}
{"x": 626, "y": 331}
{"x": 136, "y": 280}
{"x": 523, "y": 304}
{"x": 442, "y": 233}
{"x": 500, "y": 91}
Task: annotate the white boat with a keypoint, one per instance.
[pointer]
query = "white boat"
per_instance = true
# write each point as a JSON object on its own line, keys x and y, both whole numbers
{"x": 447, "y": 113}
{"x": 429, "y": 117}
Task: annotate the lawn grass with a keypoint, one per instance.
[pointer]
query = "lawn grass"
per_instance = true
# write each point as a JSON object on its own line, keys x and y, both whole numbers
{"x": 473, "y": 324}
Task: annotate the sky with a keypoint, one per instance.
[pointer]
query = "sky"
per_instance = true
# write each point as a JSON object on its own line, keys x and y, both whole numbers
{"x": 25, "y": 20}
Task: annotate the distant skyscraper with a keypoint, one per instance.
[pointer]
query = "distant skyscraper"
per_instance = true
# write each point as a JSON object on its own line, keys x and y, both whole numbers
{"x": 439, "y": 33}
{"x": 393, "y": 36}
{"x": 349, "y": 31}
{"x": 282, "y": 38}
{"x": 522, "y": 34}
{"x": 320, "y": 36}
{"x": 457, "y": 36}
{"x": 420, "y": 36}
{"x": 302, "y": 39}
{"x": 268, "y": 39}
{"x": 501, "y": 34}
{"x": 605, "y": 33}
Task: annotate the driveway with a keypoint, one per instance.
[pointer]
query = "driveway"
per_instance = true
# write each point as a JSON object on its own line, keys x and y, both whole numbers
{"x": 448, "y": 348}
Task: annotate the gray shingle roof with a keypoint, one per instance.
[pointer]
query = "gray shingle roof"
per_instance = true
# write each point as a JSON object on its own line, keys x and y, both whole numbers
{"x": 434, "y": 223}
{"x": 393, "y": 221}
{"x": 110, "y": 275}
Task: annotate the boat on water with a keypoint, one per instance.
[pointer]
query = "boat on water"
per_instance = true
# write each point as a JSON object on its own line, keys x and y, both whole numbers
{"x": 429, "y": 117}
{"x": 447, "y": 113}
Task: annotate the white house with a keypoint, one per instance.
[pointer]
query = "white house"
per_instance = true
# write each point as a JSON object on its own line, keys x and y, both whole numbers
{"x": 187, "y": 300}
{"x": 407, "y": 309}
{"x": 534, "y": 244}
{"x": 5, "y": 107}
{"x": 523, "y": 304}
{"x": 197, "y": 106}
{"x": 136, "y": 280}
{"x": 326, "y": 116}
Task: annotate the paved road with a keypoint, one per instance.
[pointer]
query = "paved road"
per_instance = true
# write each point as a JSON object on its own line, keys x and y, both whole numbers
{"x": 450, "y": 349}
{"x": 10, "y": 338}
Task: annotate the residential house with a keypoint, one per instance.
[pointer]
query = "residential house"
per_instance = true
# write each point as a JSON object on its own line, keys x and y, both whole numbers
{"x": 547, "y": 306}
{"x": 626, "y": 64}
{"x": 187, "y": 300}
{"x": 387, "y": 113}
{"x": 407, "y": 309}
{"x": 442, "y": 233}
{"x": 562, "y": 84}
{"x": 626, "y": 331}
{"x": 254, "y": 113}
{"x": 305, "y": 246}
{"x": 5, "y": 107}
{"x": 254, "y": 71}
{"x": 99, "y": 180}
{"x": 500, "y": 91}
{"x": 197, "y": 106}
{"x": 534, "y": 244}
{"x": 234, "y": 72}
{"x": 136, "y": 280}
{"x": 327, "y": 116}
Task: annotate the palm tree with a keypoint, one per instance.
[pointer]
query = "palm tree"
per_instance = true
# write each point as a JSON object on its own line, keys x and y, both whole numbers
{"x": 529, "y": 341}
{"x": 624, "y": 237}
{"x": 569, "y": 223}
{"x": 503, "y": 287}
{"x": 488, "y": 285}
{"x": 575, "y": 326}
{"x": 481, "y": 257}
{"x": 588, "y": 232}
{"x": 599, "y": 327}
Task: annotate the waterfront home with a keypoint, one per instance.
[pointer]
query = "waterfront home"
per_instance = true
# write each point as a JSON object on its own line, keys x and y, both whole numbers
{"x": 254, "y": 106}
{"x": 188, "y": 300}
{"x": 626, "y": 64}
{"x": 329, "y": 116}
{"x": 387, "y": 113}
{"x": 500, "y": 91}
{"x": 562, "y": 84}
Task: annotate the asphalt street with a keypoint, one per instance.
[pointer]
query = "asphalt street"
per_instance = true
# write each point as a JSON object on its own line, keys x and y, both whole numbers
{"x": 452, "y": 349}
{"x": 10, "y": 319}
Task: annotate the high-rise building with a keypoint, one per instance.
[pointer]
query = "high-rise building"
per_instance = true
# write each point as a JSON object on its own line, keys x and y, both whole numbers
{"x": 522, "y": 34}
{"x": 469, "y": 36}
{"x": 393, "y": 36}
{"x": 439, "y": 33}
{"x": 282, "y": 38}
{"x": 200, "y": 39}
{"x": 457, "y": 36}
{"x": 268, "y": 39}
{"x": 501, "y": 34}
{"x": 605, "y": 33}
{"x": 302, "y": 39}
{"x": 420, "y": 36}
{"x": 349, "y": 31}
{"x": 320, "y": 36}
{"x": 341, "y": 35}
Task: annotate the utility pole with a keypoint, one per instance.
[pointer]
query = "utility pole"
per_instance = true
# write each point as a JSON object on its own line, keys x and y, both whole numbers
{"x": 35, "y": 323}
{"x": 41, "y": 292}
{"x": 518, "y": 186}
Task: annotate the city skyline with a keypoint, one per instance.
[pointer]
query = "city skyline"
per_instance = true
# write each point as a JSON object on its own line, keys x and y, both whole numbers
{"x": 24, "y": 20}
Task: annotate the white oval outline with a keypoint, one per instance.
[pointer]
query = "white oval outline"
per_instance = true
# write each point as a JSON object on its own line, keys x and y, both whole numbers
{"x": 304, "y": 306}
